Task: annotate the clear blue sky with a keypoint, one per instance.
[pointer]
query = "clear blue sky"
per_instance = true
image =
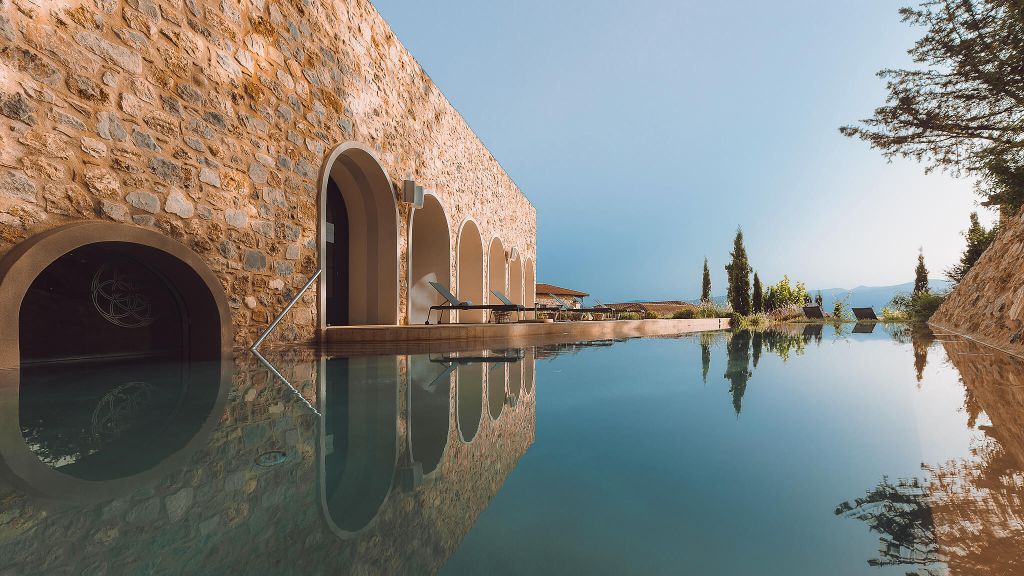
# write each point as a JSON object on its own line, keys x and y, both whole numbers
{"x": 646, "y": 131}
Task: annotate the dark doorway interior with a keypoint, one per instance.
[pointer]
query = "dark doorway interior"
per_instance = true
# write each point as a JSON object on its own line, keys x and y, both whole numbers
{"x": 336, "y": 265}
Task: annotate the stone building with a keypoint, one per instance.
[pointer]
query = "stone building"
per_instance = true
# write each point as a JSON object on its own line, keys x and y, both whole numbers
{"x": 545, "y": 296}
{"x": 189, "y": 165}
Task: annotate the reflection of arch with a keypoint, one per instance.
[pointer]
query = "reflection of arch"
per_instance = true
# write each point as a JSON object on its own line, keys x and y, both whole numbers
{"x": 515, "y": 382}
{"x": 495, "y": 269}
{"x": 529, "y": 371}
{"x": 469, "y": 399}
{"x": 529, "y": 283}
{"x": 496, "y": 389}
{"x": 359, "y": 439}
{"x": 184, "y": 417}
{"x": 197, "y": 290}
{"x": 429, "y": 257}
{"x": 470, "y": 272}
{"x": 516, "y": 292}
{"x": 358, "y": 240}
{"x": 429, "y": 407}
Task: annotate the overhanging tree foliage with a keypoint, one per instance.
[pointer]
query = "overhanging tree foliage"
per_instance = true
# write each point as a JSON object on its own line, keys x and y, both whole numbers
{"x": 962, "y": 107}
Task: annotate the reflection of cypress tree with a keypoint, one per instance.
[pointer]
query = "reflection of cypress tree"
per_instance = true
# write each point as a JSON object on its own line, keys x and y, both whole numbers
{"x": 738, "y": 369}
{"x": 758, "y": 344}
{"x": 921, "y": 338}
{"x": 705, "y": 357}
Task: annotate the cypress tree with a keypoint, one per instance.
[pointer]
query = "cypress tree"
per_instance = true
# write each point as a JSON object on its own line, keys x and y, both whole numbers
{"x": 705, "y": 291}
{"x": 758, "y": 298}
{"x": 738, "y": 273}
{"x": 978, "y": 240}
{"x": 819, "y": 299}
{"x": 920, "y": 275}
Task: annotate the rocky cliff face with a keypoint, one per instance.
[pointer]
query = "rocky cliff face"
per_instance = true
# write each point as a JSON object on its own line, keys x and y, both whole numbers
{"x": 988, "y": 305}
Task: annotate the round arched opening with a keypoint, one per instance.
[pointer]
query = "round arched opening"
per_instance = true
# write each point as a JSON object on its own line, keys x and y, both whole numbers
{"x": 469, "y": 400}
{"x": 429, "y": 411}
{"x": 515, "y": 279}
{"x": 471, "y": 272}
{"x": 430, "y": 258}
{"x": 496, "y": 270}
{"x": 358, "y": 240}
{"x": 496, "y": 389}
{"x": 115, "y": 347}
{"x": 359, "y": 442}
{"x": 529, "y": 283}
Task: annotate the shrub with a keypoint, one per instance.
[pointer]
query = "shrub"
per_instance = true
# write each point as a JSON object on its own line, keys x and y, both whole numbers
{"x": 735, "y": 319}
{"x": 712, "y": 310}
{"x": 755, "y": 321}
{"x": 685, "y": 314}
{"x": 648, "y": 315}
{"x": 629, "y": 316}
{"x": 917, "y": 307}
{"x": 894, "y": 315}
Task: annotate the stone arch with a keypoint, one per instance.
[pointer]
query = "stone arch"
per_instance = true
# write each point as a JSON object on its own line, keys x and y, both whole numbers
{"x": 115, "y": 311}
{"x": 530, "y": 283}
{"x": 430, "y": 247}
{"x": 358, "y": 450}
{"x": 496, "y": 269}
{"x": 358, "y": 240}
{"x": 469, "y": 400}
{"x": 516, "y": 291}
{"x": 470, "y": 271}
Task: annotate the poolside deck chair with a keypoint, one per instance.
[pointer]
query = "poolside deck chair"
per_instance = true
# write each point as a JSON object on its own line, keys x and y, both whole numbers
{"x": 564, "y": 306}
{"x": 865, "y": 314}
{"x": 456, "y": 304}
{"x": 813, "y": 312}
{"x": 521, "y": 308}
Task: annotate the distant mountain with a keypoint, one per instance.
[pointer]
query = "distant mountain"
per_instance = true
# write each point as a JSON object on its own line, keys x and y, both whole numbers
{"x": 868, "y": 296}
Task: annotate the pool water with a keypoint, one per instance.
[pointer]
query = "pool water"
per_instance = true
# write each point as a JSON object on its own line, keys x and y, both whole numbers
{"x": 808, "y": 450}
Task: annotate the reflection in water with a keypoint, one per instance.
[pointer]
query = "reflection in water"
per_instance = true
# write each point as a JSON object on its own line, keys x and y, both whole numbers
{"x": 470, "y": 394}
{"x": 359, "y": 403}
{"x": 429, "y": 408}
{"x": 254, "y": 493}
{"x": 495, "y": 389}
{"x": 738, "y": 368}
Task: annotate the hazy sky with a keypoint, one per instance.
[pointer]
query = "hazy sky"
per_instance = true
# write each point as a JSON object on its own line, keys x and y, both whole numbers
{"x": 646, "y": 131}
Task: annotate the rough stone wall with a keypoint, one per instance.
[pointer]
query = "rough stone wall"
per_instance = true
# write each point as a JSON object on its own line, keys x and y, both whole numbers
{"x": 989, "y": 303}
{"x": 221, "y": 514}
{"x": 209, "y": 121}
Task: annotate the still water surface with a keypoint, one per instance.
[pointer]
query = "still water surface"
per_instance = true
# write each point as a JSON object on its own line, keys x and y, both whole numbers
{"x": 810, "y": 451}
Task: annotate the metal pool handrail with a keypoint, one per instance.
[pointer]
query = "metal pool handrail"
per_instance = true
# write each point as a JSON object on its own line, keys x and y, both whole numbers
{"x": 287, "y": 308}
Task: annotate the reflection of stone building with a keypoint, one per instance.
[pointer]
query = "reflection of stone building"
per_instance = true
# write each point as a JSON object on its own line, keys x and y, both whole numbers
{"x": 273, "y": 489}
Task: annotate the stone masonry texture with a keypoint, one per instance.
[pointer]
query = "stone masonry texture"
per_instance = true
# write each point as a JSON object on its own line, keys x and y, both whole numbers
{"x": 988, "y": 305}
{"x": 209, "y": 121}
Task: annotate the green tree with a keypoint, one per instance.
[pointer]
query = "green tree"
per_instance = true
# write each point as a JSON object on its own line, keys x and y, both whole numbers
{"x": 978, "y": 240}
{"x": 819, "y": 299}
{"x": 738, "y": 274}
{"x": 920, "y": 275}
{"x": 705, "y": 290}
{"x": 757, "y": 301}
{"x": 960, "y": 107}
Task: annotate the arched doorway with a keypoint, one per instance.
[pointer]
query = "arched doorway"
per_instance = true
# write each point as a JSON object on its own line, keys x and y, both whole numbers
{"x": 496, "y": 270}
{"x": 358, "y": 240}
{"x": 471, "y": 272}
{"x": 515, "y": 279}
{"x": 430, "y": 257}
{"x": 116, "y": 352}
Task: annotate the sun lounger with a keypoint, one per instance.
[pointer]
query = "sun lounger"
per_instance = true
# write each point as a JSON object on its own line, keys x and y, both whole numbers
{"x": 865, "y": 314}
{"x": 813, "y": 312}
{"x": 563, "y": 306}
{"x": 505, "y": 300}
{"x": 456, "y": 304}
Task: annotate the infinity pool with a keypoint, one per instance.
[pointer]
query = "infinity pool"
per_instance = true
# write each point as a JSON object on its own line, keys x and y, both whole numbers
{"x": 812, "y": 450}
